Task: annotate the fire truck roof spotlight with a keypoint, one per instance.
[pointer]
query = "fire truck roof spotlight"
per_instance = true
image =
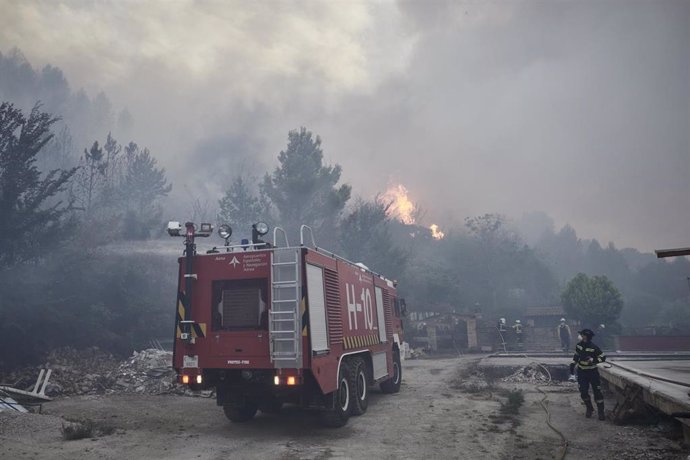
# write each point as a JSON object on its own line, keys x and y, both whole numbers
{"x": 261, "y": 228}
{"x": 174, "y": 228}
{"x": 224, "y": 231}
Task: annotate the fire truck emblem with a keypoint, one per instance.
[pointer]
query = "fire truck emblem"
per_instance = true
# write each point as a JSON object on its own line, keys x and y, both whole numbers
{"x": 234, "y": 262}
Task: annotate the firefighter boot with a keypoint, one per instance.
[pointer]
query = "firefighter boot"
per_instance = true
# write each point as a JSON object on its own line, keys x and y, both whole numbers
{"x": 590, "y": 409}
{"x": 600, "y": 411}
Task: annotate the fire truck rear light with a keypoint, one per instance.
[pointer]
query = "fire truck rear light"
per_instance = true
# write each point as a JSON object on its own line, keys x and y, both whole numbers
{"x": 185, "y": 379}
{"x": 199, "y": 379}
{"x": 276, "y": 380}
{"x": 291, "y": 380}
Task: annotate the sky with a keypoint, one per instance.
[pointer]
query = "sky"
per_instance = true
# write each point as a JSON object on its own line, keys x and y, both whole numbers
{"x": 577, "y": 109}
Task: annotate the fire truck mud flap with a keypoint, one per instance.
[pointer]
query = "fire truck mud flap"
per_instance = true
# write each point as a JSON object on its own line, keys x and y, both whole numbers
{"x": 338, "y": 404}
{"x": 392, "y": 385}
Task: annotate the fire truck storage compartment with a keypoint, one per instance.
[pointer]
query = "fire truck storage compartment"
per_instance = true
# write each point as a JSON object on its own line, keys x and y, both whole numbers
{"x": 380, "y": 365}
{"x": 317, "y": 309}
{"x": 380, "y": 314}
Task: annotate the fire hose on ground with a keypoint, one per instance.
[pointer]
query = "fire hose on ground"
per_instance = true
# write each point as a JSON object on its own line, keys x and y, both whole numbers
{"x": 544, "y": 405}
{"x": 609, "y": 364}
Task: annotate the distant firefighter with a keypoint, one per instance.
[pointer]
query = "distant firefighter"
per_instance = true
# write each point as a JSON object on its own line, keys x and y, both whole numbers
{"x": 502, "y": 325}
{"x": 564, "y": 334}
{"x": 517, "y": 327}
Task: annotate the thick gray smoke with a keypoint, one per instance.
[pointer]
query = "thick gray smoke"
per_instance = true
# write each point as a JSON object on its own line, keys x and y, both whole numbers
{"x": 580, "y": 110}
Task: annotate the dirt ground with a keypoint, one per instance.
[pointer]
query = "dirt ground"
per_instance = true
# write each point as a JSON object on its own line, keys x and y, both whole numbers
{"x": 430, "y": 418}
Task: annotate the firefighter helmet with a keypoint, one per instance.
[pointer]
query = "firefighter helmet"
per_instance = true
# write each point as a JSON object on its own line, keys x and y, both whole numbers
{"x": 586, "y": 333}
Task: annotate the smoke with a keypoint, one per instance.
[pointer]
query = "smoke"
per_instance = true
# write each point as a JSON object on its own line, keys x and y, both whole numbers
{"x": 580, "y": 110}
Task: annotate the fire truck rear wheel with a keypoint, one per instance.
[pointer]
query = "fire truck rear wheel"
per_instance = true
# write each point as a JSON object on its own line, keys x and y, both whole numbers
{"x": 341, "y": 400}
{"x": 360, "y": 391}
{"x": 271, "y": 406}
{"x": 392, "y": 385}
{"x": 240, "y": 411}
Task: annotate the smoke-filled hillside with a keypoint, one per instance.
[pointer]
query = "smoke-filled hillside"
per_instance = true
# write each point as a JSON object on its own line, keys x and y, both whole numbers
{"x": 84, "y": 264}
{"x": 402, "y": 144}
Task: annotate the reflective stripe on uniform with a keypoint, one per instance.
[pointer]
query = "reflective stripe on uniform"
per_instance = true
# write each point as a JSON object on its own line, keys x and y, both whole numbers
{"x": 586, "y": 366}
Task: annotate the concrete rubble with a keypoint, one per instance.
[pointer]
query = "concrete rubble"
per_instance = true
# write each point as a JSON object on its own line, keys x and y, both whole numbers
{"x": 93, "y": 371}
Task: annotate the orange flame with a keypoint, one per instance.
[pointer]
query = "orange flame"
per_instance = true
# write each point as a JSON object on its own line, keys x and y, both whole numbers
{"x": 436, "y": 233}
{"x": 401, "y": 207}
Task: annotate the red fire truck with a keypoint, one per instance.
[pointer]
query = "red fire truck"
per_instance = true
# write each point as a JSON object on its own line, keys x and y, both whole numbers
{"x": 267, "y": 324}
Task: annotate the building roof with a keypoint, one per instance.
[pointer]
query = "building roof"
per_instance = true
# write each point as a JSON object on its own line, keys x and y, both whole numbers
{"x": 545, "y": 311}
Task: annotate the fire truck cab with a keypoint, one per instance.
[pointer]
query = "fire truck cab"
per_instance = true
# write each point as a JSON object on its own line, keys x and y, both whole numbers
{"x": 267, "y": 324}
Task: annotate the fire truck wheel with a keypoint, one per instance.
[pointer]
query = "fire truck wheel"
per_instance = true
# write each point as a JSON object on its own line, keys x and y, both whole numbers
{"x": 392, "y": 385}
{"x": 272, "y": 406}
{"x": 240, "y": 411}
{"x": 360, "y": 392}
{"x": 341, "y": 400}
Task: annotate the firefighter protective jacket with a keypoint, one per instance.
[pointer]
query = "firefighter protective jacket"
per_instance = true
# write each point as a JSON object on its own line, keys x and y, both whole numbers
{"x": 587, "y": 356}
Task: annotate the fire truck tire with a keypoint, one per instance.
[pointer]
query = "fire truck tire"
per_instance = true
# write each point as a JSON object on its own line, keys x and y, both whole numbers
{"x": 272, "y": 406}
{"x": 341, "y": 400}
{"x": 360, "y": 391}
{"x": 392, "y": 385}
{"x": 239, "y": 412}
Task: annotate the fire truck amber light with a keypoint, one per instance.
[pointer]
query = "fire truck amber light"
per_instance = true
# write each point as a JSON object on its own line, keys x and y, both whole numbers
{"x": 291, "y": 380}
{"x": 276, "y": 380}
{"x": 185, "y": 379}
{"x": 198, "y": 379}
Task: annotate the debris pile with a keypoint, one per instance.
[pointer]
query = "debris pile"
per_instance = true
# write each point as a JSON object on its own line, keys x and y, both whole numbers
{"x": 75, "y": 372}
{"x": 93, "y": 371}
{"x": 417, "y": 353}
{"x": 148, "y": 371}
{"x": 531, "y": 373}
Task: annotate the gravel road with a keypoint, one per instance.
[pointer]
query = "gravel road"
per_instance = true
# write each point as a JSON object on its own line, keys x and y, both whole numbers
{"x": 429, "y": 418}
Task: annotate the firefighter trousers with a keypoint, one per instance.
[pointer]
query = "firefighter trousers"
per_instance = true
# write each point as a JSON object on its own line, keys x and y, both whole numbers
{"x": 585, "y": 378}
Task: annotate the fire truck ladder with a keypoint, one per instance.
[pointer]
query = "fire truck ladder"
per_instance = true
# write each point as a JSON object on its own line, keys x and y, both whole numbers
{"x": 285, "y": 316}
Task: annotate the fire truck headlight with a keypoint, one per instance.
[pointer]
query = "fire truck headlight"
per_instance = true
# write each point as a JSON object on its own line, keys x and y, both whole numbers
{"x": 199, "y": 379}
{"x": 224, "y": 231}
{"x": 261, "y": 228}
{"x": 185, "y": 379}
{"x": 174, "y": 228}
{"x": 291, "y": 380}
{"x": 276, "y": 380}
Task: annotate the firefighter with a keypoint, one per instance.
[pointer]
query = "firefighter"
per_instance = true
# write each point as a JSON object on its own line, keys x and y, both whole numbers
{"x": 564, "y": 334}
{"x": 517, "y": 327}
{"x": 587, "y": 356}
{"x": 502, "y": 325}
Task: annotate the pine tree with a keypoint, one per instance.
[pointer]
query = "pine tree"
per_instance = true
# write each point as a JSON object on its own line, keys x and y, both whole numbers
{"x": 303, "y": 190}
{"x": 32, "y": 219}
